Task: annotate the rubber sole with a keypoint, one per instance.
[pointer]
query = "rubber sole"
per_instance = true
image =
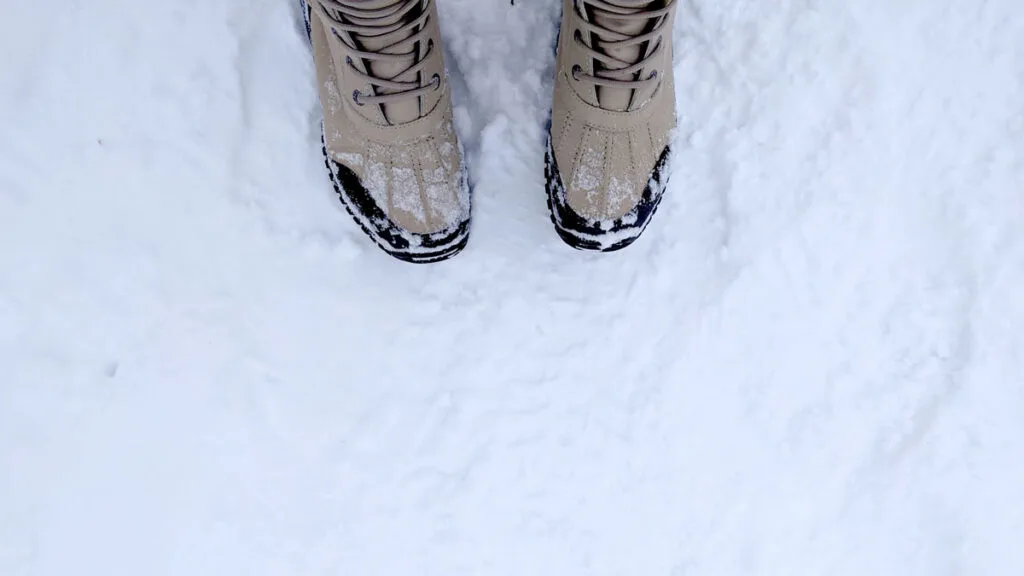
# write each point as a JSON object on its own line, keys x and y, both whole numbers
{"x": 588, "y": 234}
{"x": 396, "y": 242}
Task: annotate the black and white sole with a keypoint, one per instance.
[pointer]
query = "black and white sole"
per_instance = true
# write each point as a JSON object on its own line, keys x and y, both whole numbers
{"x": 602, "y": 235}
{"x": 395, "y": 241}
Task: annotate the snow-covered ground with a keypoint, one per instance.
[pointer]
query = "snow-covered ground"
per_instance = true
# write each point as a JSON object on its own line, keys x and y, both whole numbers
{"x": 811, "y": 364}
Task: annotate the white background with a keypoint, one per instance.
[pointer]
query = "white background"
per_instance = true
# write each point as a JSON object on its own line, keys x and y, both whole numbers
{"x": 811, "y": 364}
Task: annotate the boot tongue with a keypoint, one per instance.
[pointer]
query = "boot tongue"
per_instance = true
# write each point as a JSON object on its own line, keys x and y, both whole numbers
{"x": 407, "y": 109}
{"x": 619, "y": 99}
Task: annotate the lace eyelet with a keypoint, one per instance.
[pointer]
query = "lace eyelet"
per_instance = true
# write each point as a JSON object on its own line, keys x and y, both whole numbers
{"x": 437, "y": 81}
{"x": 576, "y": 70}
{"x": 355, "y": 98}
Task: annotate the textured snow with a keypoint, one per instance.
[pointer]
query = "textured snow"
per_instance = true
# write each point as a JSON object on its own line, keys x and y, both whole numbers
{"x": 589, "y": 173}
{"x": 404, "y": 188}
{"x": 621, "y": 192}
{"x": 812, "y": 362}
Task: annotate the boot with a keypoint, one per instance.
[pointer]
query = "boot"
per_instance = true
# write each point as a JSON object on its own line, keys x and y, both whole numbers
{"x": 388, "y": 137}
{"x": 612, "y": 117}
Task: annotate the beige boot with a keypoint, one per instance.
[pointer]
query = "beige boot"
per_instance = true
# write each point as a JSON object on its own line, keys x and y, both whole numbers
{"x": 612, "y": 119}
{"x": 389, "y": 140}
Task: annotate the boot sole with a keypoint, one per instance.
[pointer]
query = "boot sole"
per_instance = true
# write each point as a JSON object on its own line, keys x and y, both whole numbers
{"x": 588, "y": 234}
{"x": 393, "y": 240}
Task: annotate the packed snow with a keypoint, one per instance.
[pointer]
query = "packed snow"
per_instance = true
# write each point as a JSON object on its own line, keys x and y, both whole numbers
{"x": 812, "y": 363}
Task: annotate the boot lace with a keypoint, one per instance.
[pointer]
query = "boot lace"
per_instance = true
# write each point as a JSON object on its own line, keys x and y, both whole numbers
{"x": 400, "y": 28}
{"x": 610, "y": 71}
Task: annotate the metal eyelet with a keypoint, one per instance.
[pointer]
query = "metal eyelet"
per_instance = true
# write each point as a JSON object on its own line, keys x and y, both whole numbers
{"x": 355, "y": 98}
{"x": 437, "y": 81}
{"x": 576, "y": 70}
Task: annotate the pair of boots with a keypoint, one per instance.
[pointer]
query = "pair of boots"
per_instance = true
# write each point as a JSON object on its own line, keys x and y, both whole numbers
{"x": 396, "y": 162}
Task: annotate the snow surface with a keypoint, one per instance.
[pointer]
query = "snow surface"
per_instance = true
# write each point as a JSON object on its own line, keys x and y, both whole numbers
{"x": 811, "y": 364}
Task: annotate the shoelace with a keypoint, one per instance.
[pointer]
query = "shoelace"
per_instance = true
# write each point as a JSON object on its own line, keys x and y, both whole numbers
{"x": 396, "y": 27}
{"x": 612, "y": 71}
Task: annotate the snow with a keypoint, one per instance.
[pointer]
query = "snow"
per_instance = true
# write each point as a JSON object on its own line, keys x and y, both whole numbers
{"x": 811, "y": 363}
